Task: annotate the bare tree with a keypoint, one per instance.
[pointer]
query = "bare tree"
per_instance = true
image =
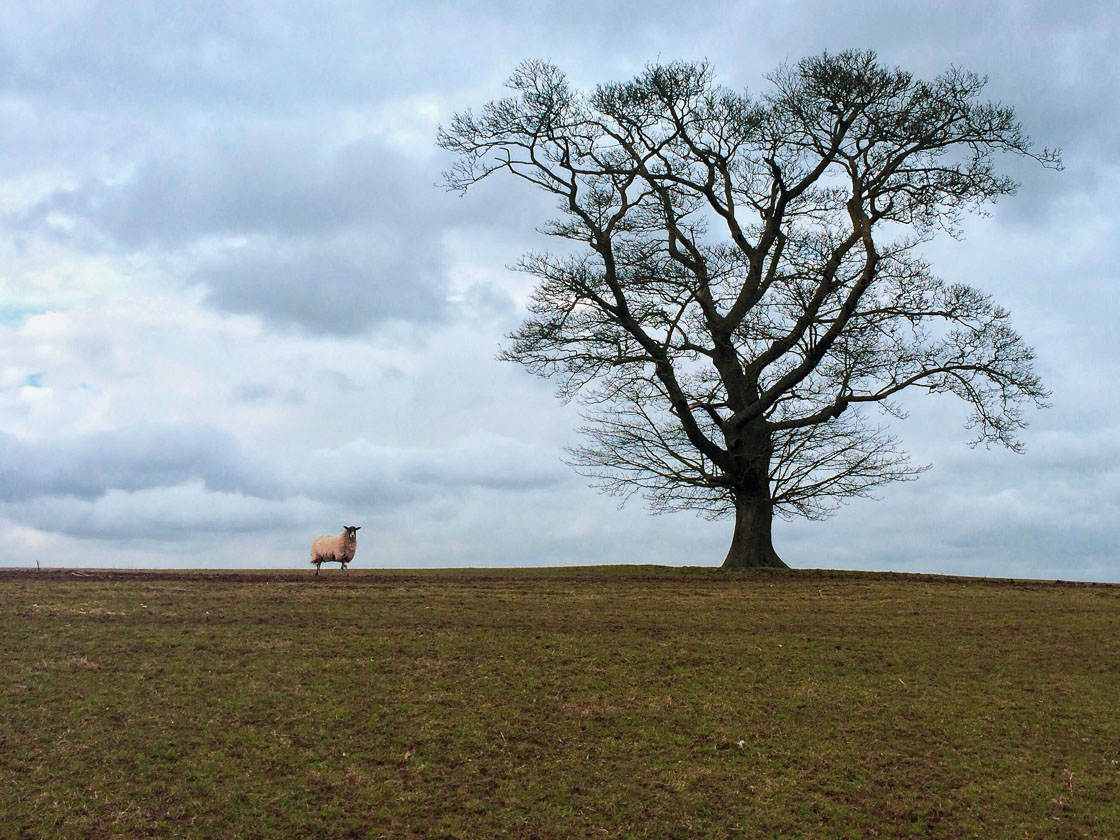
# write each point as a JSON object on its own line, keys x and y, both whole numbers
{"x": 744, "y": 280}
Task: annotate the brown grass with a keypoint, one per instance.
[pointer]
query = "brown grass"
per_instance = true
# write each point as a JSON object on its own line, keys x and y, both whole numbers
{"x": 606, "y": 702}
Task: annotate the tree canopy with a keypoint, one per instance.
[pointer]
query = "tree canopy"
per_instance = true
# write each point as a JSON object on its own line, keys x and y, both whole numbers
{"x": 741, "y": 277}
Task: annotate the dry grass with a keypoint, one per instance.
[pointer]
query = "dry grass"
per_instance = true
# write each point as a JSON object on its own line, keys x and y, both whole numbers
{"x": 606, "y": 702}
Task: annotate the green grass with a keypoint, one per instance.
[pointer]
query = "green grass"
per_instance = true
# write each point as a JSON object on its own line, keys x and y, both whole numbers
{"x": 609, "y": 702}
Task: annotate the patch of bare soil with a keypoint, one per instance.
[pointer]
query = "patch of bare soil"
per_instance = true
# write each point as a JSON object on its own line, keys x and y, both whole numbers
{"x": 672, "y": 576}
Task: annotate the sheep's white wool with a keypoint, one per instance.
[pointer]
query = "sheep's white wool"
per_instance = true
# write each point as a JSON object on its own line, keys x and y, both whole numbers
{"x": 340, "y": 549}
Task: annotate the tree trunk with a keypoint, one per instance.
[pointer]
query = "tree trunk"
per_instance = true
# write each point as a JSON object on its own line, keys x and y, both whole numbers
{"x": 751, "y": 546}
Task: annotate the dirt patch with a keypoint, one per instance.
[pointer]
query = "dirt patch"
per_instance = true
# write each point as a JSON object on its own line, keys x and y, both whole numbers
{"x": 667, "y": 575}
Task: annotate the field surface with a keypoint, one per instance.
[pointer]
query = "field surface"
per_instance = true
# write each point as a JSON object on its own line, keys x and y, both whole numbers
{"x": 604, "y": 702}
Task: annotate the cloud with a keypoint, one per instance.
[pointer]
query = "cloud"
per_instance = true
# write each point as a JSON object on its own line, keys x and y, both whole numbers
{"x": 128, "y": 459}
{"x": 262, "y": 393}
{"x": 183, "y": 484}
{"x": 91, "y": 53}
{"x": 292, "y": 229}
{"x": 1053, "y": 512}
{"x": 340, "y": 285}
{"x": 332, "y": 241}
{"x": 90, "y": 483}
{"x": 187, "y": 511}
{"x": 370, "y": 474}
{"x": 245, "y": 180}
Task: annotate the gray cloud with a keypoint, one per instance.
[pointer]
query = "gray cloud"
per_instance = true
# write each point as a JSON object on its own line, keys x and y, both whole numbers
{"x": 339, "y": 286}
{"x": 261, "y": 393}
{"x": 988, "y": 514}
{"x": 174, "y": 513}
{"x": 370, "y": 474}
{"x": 129, "y": 459}
{"x": 109, "y": 54}
{"x": 86, "y": 484}
{"x": 331, "y": 240}
{"x": 262, "y": 182}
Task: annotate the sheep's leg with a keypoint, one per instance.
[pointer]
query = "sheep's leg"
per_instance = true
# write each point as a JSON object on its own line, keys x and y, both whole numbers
{"x": 317, "y": 565}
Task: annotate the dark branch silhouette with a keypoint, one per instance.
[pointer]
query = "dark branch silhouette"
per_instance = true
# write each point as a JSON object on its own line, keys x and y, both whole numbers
{"x": 742, "y": 279}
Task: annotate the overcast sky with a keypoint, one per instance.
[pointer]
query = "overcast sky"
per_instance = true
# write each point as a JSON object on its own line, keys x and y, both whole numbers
{"x": 237, "y": 312}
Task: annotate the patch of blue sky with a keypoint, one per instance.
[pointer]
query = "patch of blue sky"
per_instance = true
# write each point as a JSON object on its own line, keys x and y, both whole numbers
{"x": 14, "y": 316}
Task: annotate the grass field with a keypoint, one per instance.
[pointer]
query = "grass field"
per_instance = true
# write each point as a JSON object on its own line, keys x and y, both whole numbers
{"x": 605, "y": 702}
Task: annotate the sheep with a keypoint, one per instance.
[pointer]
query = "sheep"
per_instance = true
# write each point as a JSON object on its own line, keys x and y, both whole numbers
{"x": 338, "y": 549}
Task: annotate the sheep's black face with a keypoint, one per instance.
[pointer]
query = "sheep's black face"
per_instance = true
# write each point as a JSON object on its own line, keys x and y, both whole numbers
{"x": 352, "y": 531}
